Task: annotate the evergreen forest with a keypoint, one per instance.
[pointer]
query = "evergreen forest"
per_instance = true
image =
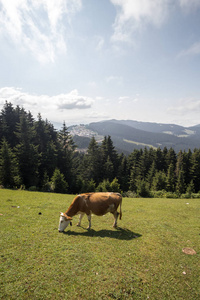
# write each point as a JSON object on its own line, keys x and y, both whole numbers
{"x": 35, "y": 156}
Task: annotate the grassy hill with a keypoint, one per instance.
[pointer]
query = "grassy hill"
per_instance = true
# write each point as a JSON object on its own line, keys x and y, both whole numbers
{"x": 142, "y": 259}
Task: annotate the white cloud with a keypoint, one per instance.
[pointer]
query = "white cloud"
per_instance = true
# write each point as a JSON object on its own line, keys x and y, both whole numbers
{"x": 188, "y": 5}
{"x": 186, "y": 106}
{"x": 135, "y": 15}
{"x": 37, "y": 25}
{"x": 100, "y": 43}
{"x": 123, "y": 99}
{"x": 74, "y": 101}
{"x": 92, "y": 84}
{"x": 44, "y": 103}
{"x": 131, "y": 15}
{"x": 115, "y": 79}
{"x": 193, "y": 50}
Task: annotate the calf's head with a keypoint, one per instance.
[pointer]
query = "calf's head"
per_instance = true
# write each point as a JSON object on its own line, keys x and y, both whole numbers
{"x": 64, "y": 222}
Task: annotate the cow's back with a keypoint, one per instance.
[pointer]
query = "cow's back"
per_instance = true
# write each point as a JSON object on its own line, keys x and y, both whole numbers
{"x": 99, "y": 203}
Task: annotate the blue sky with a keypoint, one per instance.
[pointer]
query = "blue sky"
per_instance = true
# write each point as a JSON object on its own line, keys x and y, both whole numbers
{"x": 82, "y": 61}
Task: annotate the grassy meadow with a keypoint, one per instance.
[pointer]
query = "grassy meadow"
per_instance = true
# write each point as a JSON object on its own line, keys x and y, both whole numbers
{"x": 142, "y": 259}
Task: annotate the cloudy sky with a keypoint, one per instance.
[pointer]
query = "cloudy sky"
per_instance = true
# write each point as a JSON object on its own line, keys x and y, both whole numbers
{"x": 81, "y": 61}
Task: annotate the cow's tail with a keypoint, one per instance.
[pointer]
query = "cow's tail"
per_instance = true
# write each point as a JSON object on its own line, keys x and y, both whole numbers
{"x": 120, "y": 209}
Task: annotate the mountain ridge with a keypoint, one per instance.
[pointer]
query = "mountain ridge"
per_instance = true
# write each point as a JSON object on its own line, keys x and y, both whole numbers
{"x": 128, "y": 135}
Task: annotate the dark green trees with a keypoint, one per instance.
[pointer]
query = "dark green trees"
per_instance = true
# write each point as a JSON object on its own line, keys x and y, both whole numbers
{"x": 9, "y": 176}
{"x": 34, "y": 154}
{"x": 26, "y": 152}
{"x": 58, "y": 183}
{"x": 66, "y": 149}
{"x": 93, "y": 157}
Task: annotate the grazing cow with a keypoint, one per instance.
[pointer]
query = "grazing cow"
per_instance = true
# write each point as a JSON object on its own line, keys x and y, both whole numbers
{"x": 96, "y": 203}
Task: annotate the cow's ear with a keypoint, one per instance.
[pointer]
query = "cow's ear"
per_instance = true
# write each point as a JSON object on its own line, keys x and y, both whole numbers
{"x": 69, "y": 218}
{"x": 70, "y": 223}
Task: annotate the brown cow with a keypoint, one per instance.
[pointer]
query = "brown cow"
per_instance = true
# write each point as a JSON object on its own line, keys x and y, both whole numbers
{"x": 96, "y": 203}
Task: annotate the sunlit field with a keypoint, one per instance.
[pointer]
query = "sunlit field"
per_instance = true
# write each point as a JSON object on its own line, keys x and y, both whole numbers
{"x": 142, "y": 259}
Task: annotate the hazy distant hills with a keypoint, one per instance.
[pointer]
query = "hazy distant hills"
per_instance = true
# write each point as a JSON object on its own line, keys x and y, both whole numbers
{"x": 128, "y": 135}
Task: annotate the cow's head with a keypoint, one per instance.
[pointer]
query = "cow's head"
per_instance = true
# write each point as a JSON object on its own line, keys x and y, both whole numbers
{"x": 65, "y": 220}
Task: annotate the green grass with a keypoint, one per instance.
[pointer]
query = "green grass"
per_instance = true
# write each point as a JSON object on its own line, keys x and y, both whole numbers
{"x": 142, "y": 259}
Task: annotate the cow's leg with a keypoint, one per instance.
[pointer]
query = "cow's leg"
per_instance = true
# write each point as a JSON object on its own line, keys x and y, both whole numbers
{"x": 89, "y": 220}
{"x": 80, "y": 218}
{"x": 115, "y": 214}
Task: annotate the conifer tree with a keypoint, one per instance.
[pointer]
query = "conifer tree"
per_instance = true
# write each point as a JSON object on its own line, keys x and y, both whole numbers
{"x": 180, "y": 185}
{"x": 59, "y": 185}
{"x": 171, "y": 158}
{"x": 65, "y": 154}
{"x": 8, "y": 166}
{"x": 143, "y": 164}
{"x": 8, "y": 121}
{"x": 133, "y": 180}
{"x": 151, "y": 174}
{"x": 123, "y": 173}
{"x": 26, "y": 153}
{"x": 170, "y": 179}
{"x": 159, "y": 160}
{"x": 159, "y": 181}
{"x": 109, "y": 172}
{"x": 46, "y": 148}
{"x": 110, "y": 158}
{"x": 94, "y": 159}
{"x": 195, "y": 169}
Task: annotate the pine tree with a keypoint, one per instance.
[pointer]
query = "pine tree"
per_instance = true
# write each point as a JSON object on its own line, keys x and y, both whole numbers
{"x": 123, "y": 173}
{"x": 110, "y": 158}
{"x": 8, "y": 166}
{"x": 46, "y": 148}
{"x": 142, "y": 188}
{"x": 187, "y": 166}
{"x": 65, "y": 154}
{"x": 133, "y": 180}
{"x": 195, "y": 169}
{"x": 190, "y": 188}
{"x": 94, "y": 159}
{"x": 159, "y": 181}
{"x": 159, "y": 160}
{"x": 27, "y": 153}
{"x": 9, "y": 119}
{"x": 179, "y": 163}
{"x": 109, "y": 172}
{"x": 180, "y": 185}
{"x": 171, "y": 158}
{"x": 151, "y": 174}
{"x": 170, "y": 179}
{"x": 143, "y": 164}
{"x": 59, "y": 185}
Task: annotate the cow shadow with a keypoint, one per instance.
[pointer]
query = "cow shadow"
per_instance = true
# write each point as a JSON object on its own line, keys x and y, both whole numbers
{"x": 118, "y": 233}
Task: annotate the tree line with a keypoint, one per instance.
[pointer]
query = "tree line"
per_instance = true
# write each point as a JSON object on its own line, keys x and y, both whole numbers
{"x": 35, "y": 156}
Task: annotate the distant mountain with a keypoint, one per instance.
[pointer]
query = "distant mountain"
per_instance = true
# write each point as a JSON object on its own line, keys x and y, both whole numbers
{"x": 128, "y": 135}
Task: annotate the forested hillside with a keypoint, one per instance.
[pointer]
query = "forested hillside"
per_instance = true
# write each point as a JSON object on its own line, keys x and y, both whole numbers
{"x": 130, "y": 135}
{"x": 33, "y": 155}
